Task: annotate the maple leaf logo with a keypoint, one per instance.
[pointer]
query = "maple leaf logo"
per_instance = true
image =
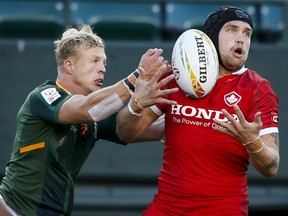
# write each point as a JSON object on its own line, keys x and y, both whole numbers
{"x": 232, "y": 98}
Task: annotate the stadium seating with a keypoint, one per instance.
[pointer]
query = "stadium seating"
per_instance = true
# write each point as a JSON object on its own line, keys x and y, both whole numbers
{"x": 26, "y": 27}
{"x": 126, "y": 29}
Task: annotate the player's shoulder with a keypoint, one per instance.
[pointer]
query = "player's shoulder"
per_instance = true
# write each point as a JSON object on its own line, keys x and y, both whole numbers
{"x": 46, "y": 85}
{"x": 49, "y": 87}
{"x": 253, "y": 75}
{"x": 49, "y": 91}
{"x": 256, "y": 81}
{"x": 254, "y": 78}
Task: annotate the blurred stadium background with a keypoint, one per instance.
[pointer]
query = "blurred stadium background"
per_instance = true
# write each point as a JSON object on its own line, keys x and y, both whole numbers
{"x": 117, "y": 180}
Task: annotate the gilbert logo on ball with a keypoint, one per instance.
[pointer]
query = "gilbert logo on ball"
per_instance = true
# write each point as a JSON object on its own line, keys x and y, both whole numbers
{"x": 195, "y": 63}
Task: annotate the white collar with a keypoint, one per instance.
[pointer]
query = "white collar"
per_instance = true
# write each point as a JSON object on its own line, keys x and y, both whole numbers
{"x": 239, "y": 72}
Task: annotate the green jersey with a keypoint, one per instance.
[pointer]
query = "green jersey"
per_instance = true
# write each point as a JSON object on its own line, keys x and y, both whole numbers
{"x": 47, "y": 155}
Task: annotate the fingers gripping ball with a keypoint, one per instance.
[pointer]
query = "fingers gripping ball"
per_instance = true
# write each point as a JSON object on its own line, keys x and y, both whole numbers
{"x": 195, "y": 63}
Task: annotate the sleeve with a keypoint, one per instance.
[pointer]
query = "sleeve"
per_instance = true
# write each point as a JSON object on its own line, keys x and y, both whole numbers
{"x": 107, "y": 130}
{"x": 46, "y": 101}
{"x": 267, "y": 102}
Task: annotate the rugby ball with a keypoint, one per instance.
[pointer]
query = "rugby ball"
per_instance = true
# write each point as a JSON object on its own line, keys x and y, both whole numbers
{"x": 195, "y": 63}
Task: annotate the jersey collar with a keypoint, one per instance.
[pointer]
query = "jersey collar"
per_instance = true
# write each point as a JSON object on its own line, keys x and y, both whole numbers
{"x": 60, "y": 86}
{"x": 239, "y": 72}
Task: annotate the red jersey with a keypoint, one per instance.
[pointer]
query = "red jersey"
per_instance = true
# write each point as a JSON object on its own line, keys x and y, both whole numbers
{"x": 200, "y": 161}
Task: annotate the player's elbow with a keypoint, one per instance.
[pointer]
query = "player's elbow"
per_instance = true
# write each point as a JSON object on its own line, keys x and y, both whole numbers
{"x": 124, "y": 135}
{"x": 269, "y": 171}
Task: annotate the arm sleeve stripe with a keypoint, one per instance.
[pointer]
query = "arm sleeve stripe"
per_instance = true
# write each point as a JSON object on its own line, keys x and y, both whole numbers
{"x": 32, "y": 147}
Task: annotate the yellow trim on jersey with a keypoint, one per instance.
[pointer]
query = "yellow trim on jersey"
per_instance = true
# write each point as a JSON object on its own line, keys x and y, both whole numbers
{"x": 60, "y": 86}
{"x": 32, "y": 147}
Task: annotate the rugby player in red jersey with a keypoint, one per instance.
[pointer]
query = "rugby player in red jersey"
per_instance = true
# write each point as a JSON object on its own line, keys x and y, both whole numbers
{"x": 209, "y": 142}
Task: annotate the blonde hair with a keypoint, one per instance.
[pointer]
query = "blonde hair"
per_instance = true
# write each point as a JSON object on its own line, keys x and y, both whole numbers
{"x": 73, "y": 39}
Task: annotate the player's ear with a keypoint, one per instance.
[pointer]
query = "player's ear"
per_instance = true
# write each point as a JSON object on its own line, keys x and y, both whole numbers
{"x": 68, "y": 66}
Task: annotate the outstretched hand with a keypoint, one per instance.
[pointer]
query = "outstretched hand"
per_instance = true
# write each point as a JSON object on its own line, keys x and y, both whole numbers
{"x": 151, "y": 61}
{"x": 240, "y": 128}
{"x": 149, "y": 92}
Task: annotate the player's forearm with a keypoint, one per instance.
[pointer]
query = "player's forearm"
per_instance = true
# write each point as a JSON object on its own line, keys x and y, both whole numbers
{"x": 129, "y": 126}
{"x": 96, "y": 106}
{"x": 99, "y": 95}
{"x": 155, "y": 132}
{"x": 264, "y": 157}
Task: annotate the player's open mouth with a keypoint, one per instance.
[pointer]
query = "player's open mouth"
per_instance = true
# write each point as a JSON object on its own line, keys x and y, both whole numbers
{"x": 99, "y": 82}
{"x": 238, "y": 52}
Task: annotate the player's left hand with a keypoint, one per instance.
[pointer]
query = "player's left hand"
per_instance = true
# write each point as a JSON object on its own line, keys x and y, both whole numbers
{"x": 151, "y": 61}
{"x": 240, "y": 128}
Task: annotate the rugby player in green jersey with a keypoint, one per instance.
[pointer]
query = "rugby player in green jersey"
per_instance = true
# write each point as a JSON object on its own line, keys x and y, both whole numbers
{"x": 60, "y": 121}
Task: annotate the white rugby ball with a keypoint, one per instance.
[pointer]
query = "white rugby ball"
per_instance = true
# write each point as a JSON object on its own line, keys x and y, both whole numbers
{"x": 195, "y": 63}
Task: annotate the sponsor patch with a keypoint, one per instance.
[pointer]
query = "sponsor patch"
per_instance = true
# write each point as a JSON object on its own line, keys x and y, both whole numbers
{"x": 50, "y": 95}
{"x": 274, "y": 117}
